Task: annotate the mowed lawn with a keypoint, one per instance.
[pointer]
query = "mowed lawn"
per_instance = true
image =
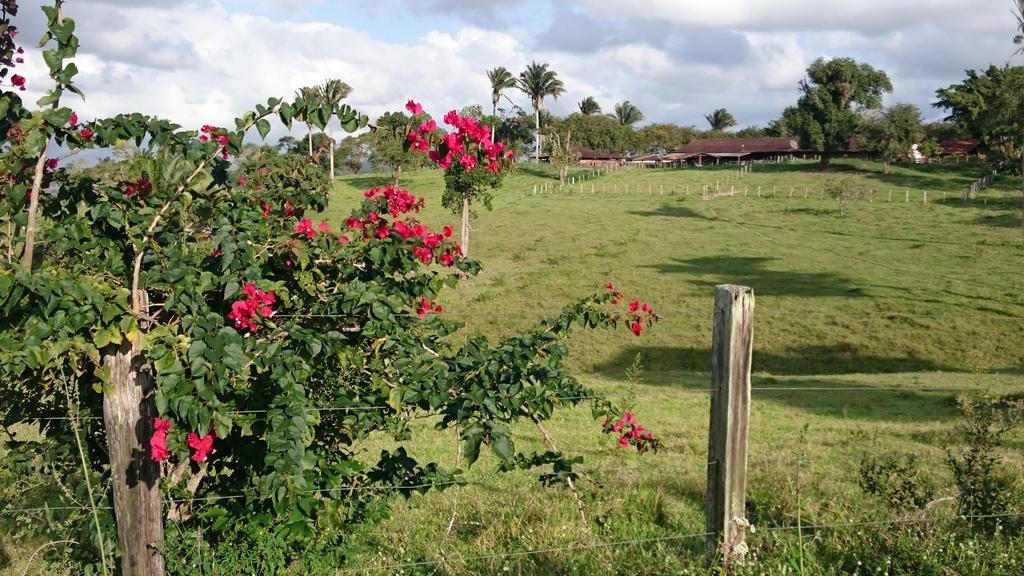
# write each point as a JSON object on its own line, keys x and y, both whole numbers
{"x": 866, "y": 329}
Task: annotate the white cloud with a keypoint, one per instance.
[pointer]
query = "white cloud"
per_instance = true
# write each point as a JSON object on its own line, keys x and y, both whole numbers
{"x": 203, "y": 63}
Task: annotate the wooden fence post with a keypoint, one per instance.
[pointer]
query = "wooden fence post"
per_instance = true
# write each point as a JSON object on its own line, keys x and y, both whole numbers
{"x": 129, "y": 410}
{"x": 731, "y": 349}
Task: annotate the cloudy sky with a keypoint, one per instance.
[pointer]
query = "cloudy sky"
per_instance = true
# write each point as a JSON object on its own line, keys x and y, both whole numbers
{"x": 199, "y": 61}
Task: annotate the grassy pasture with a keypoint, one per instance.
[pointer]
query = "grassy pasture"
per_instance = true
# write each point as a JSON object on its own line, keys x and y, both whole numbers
{"x": 866, "y": 329}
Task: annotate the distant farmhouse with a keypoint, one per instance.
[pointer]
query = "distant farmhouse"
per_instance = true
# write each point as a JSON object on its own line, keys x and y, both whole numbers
{"x": 714, "y": 151}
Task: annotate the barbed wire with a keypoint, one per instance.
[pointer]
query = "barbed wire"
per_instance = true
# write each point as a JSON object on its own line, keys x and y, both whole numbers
{"x": 661, "y": 396}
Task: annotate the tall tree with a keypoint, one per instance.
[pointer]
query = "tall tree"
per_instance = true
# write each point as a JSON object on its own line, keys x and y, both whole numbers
{"x": 825, "y": 116}
{"x": 990, "y": 105}
{"x": 892, "y": 132}
{"x": 539, "y": 82}
{"x": 627, "y": 114}
{"x": 501, "y": 80}
{"x": 720, "y": 120}
{"x": 308, "y": 94}
{"x": 331, "y": 93}
{"x": 589, "y": 106}
{"x": 598, "y": 132}
{"x": 662, "y": 138}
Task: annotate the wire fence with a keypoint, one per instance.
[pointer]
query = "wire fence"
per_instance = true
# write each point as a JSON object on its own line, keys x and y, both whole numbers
{"x": 757, "y": 390}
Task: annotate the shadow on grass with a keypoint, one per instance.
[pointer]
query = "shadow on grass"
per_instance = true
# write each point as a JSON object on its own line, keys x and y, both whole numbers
{"x": 536, "y": 171}
{"x": 1000, "y": 220}
{"x": 370, "y": 181}
{"x": 665, "y": 365}
{"x": 751, "y": 271}
{"x": 671, "y": 211}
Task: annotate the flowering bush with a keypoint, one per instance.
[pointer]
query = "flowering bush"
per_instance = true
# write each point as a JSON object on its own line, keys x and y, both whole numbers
{"x": 269, "y": 345}
{"x": 630, "y": 432}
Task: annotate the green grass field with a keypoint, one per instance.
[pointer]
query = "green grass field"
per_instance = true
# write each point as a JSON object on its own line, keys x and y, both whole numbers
{"x": 866, "y": 329}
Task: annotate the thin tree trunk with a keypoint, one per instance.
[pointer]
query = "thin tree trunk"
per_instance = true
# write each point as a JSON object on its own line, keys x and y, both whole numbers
{"x": 1022, "y": 186}
{"x": 465, "y": 227}
{"x": 398, "y": 174}
{"x": 886, "y": 168}
{"x": 536, "y": 141}
{"x": 33, "y": 210}
{"x": 128, "y": 414}
{"x": 332, "y": 159}
{"x": 494, "y": 114}
{"x": 824, "y": 162}
{"x": 309, "y": 127}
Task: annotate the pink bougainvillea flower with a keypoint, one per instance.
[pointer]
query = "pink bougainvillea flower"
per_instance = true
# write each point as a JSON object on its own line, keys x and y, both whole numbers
{"x": 424, "y": 254}
{"x": 324, "y": 226}
{"x": 447, "y": 259}
{"x": 73, "y": 119}
{"x": 414, "y": 108}
{"x": 18, "y": 80}
{"x": 383, "y": 231}
{"x": 85, "y": 133}
{"x": 242, "y": 181}
{"x": 637, "y": 328}
{"x": 51, "y": 163}
{"x": 305, "y": 226}
{"x": 158, "y": 442}
{"x": 634, "y": 306}
{"x": 202, "y": 446}
{"x": 447, "y": 231}
{"x": 263, "y": 169}
{"x": 343, "y": 240}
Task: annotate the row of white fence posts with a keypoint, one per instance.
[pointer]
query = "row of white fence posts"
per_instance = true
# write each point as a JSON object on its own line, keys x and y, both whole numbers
{"x": 979, "y": 185}
{"x": 708, "y": 189}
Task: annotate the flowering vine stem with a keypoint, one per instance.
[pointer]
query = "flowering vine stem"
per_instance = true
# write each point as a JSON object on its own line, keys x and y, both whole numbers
{"x": 37, "y": 175}
{"x": 137, "y": 270}
{"x": 580, "y": 507}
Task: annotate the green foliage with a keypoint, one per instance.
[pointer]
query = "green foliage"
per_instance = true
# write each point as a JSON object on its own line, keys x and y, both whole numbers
{"x": 892, "y": 132}
{"x": 985, "y": 488}
{"x": 598, "y": 132}
{"x": 388, "y": 150}
{"x": 897, "y": 479}
{"x": 845, "y": 190}
{"x": 589, "y": 106}
{"x": 989, "y": 105}
{"x": 663, "y": 137}
{"x": 825, "y": 116}
{"x": 627, "y": 114}
{"x": 720, "y": 120}
{"x": 166, "y": 249}
{"x": 475, "y": 186}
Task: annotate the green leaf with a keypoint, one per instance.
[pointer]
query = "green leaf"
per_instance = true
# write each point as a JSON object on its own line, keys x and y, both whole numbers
{"x": 263, "y": 127}
{"x": 395, "y": 398}
{"x": 501, "y": 445}
{"x": 286, "y": 113}
{"x": 471, "y": 448}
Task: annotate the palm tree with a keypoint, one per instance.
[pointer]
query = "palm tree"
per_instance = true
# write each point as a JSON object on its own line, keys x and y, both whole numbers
{"x": 331, "y": 93}
{"x": 537, "y": 82}
{"x": 589, "y": 106}
{"x": 501, "y": 80}
{"x": 308, "y": 94}
{"x": 627, "y": 114}
{"x": 720, "y": 119}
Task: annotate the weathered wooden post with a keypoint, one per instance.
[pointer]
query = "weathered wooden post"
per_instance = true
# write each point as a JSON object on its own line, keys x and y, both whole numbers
{"x": 732, "y": 344}
{"x": 129, "y": 410}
